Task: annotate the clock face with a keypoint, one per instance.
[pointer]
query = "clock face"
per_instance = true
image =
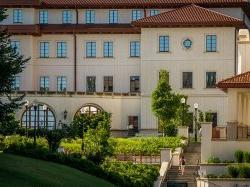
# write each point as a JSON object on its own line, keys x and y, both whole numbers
{"x": 187, "y": 43}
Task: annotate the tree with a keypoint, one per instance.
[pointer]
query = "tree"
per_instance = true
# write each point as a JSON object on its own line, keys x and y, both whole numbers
{"x": 165, "y": 103}
{"x": 11, "y": 64}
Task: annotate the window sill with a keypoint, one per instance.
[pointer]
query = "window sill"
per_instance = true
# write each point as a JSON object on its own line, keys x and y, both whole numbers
{"x": 134, "y": 57}
{"x": 164, "y": 52}
{"x": 53, "y": 57}
{"x": 187, "y": 88}
{"x": 210, "y": 88}
{"x": 211, "y": 52}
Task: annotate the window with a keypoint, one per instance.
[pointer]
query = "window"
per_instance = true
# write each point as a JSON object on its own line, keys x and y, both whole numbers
{"x": 43, "y": 118}
{"x": 187, "y": 80}
{"x": 211, "y": 43}
{"x": 134, "y": 49}
{"x": 163, "y": 43}
{"x": 91, "y": 84}
{"x": 44, "y": 49}
{"x": 108, "y": 84}
{"x": 61, "y": 49}
{"x": 43, "y": 17}
{"x": 133, "y": 123}
{"x": 67, "y": 16}
{"x": 89, "y": 109}
{"x": 153, "y": 12}
{"x": 90, "y": 16}
{"x": 15, "y": 86}
{"x": 91, "y": 49}
{"x": 17, "y": 16}
{"x": 211, "y": 117}
{"x": 44, "y": 83}
{"x": 61, "y": 84}
{"x": 16, "y": 46}
{"x": 210, "y": 79}
{"x": 134, "y": 84}
{"x": 136, "y": 14}
{"x": 113, "y": 16}
{"x": 108, "y": 49}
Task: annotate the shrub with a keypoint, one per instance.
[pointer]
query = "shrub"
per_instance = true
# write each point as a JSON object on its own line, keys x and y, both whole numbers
{"x": 1, "y": 142}
{"x": 225, "y": 176}
{"x": 211, "y": 176}
{"x": 228, "y": 161}
{"x": 239, "y": 156}
{"x": 171, "y": 130}
{"x": 8, "y": 125}
{"x": 54, "y": 138}
{"x": 244, "y": 171}
{"x": 233, "y": 171}
{"x": 246, "y": 156}
{"x": 214, "y": 159}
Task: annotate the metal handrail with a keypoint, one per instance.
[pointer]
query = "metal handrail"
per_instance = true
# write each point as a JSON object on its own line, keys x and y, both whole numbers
{"x": 165, "y": 173}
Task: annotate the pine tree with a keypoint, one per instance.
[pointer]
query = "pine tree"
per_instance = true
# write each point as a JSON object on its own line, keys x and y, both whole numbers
{"x": 11, "y": 64}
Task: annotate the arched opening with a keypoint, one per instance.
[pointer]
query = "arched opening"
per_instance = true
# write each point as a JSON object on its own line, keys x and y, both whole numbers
{"x": 89, "y": 109}
{"x": 41, "y": 115}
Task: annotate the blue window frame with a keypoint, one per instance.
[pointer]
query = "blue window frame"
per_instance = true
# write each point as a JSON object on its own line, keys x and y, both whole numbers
{"x": 90, "y": 16}
{"x": 15, "y": 86}
{"x": 153, "y": 12}
{"x": 16, "y": 46}
{"x": 108, "y": 49}
{"x": 44, "y": 49}
{"x": 211, "y": 43}
{"x": 67, "y": 16}
{"x": 90, "y": 86}
{"x": 17, "y": 16}
{"x": 61, "y": 84}
{"x": 43, "y": 17}
{"x": 44, "y": 83}
{"x": 90, "y": 49}
{"x": 163, "y": 43}
{"x": 113, "y": 16}
{"x": 135, "y": 49}
{"x": 61, "y": 49}
{"x": 136, "y": 14}
{"x": 210, "y": 79}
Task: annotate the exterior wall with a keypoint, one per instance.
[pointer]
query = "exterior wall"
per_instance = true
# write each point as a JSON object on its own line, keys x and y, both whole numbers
{"x": 179, "y": 60}
{"x": 203, "y": 182}
{"x": 224, "y": 149}
{"x": 120, "y": 107}
{"x": 28, "y": 17}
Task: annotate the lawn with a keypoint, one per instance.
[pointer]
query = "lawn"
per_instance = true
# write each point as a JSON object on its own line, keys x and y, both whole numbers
{"x": 26, "y": 172}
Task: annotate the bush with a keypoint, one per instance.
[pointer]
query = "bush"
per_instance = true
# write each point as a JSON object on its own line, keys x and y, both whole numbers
{"x": 239, "y": 156}
{"x": 225, "y": 176}
{"x": 1, "y": 142}
{"x": 54, "y": 138}
{"x": 8, "y": 125}
{"x": 214, "y": 159}
{"x": 211, "y": 176}
{"x": 246, "y": 156}
{"x": 244, "y": 171}
{"x": 171, "y": 130}
{"x": 233, "y": 171}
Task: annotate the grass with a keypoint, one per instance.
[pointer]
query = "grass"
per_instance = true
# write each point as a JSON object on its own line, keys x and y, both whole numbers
{"x": 26, "y": 172}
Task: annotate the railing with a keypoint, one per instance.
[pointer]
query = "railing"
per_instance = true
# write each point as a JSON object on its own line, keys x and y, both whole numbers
{"x": 151, "y": 159}
{"x": 243, "y": 132}
{"x": 219, "y": 133}
{"x": 164, "y": 177}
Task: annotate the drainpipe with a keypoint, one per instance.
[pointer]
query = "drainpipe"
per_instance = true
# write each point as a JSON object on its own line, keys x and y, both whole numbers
{"x": 75, "y": 52}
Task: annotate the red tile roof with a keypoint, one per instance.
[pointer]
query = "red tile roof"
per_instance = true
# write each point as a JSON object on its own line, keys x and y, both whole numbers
{"x": 21, "y": 29}
{"x": 191, "y": 15}
{"x": 238, "y": 81}
{"x": 123, "y": 3}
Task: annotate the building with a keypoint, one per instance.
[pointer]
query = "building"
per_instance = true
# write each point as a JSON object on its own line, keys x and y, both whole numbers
{"x": 99, "y": 55}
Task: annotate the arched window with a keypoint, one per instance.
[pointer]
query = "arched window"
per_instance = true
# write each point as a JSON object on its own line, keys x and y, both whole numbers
{"x": 89, "y": 109}
{"x": 45, "y": 117}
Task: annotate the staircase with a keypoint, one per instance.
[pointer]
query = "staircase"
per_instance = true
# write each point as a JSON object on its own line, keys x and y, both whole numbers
{"x": 174, "y": 178}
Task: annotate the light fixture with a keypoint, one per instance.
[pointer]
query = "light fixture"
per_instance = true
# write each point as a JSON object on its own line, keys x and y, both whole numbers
{"x": 183, "y": 100}
{"x": 196, "y": 105}
{"x": 82, "y": 111}
{"x": 26, "y": 103}
{"x": 65, "y": 113}
{"x": 45, "y": 107}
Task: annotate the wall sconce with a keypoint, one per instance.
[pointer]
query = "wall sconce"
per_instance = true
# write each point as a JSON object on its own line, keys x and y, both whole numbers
{"x": 65, "y": 113}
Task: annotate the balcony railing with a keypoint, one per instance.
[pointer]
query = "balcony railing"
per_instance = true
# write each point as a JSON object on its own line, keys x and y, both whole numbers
{"x": 219, "y": 133}
{"x": 243, "y": 132}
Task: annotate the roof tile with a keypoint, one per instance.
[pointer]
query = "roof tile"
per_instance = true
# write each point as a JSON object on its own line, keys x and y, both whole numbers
{"x": 191, "y": 15}
{"x": 238, "y": 81}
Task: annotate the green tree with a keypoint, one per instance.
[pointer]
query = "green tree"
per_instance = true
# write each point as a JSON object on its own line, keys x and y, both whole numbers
{"x": 165, "y": 103}
{"x": 11, "y": 64}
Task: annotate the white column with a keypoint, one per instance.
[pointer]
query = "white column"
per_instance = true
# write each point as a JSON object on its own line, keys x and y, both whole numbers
{"x": 244, "y": 112}
{"x": 240, "y": 109}
{"x": 248, "y": 110}
{"x": 232, "y": 105}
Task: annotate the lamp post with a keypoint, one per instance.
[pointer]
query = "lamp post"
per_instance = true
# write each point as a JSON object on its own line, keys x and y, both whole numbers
{"x": 183, "y": 101}
{"x": 26, "y": 117}
{"x": 45, "y": 122}
{"x": 35, "y": 109}
{"x": 82, "y": 112}
{"x": 195, "y": 120}
{"x": 65, "y": 113}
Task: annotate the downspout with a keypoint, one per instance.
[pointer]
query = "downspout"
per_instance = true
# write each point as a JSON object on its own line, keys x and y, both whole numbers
{"x": 75, "y": 52}
{"x": 235, "y": 52}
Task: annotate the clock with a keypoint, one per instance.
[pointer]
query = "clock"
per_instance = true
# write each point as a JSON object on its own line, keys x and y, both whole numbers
{"x": 187, "y": 43}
